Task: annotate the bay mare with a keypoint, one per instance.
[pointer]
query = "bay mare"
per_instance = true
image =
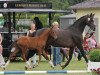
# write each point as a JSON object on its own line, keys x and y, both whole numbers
{"x": 72, "y": 36}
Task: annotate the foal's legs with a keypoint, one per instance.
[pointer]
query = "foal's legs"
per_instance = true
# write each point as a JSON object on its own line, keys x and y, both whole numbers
{"x": 70, "y": 57}
{"x": 45, "y": 55}
{"x": 80, "y": 47}
{"x": 12, "y": 54}
{"x": 39, "y": 50}
{"x": 47, "y": 58}
{"x": 24, "y": 50}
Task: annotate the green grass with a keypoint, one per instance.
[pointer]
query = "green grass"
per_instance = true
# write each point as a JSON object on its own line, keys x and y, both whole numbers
{"x": 74, "y": 65}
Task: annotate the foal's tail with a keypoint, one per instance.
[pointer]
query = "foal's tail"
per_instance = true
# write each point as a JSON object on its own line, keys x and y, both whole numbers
{"x": 12, "y": 52}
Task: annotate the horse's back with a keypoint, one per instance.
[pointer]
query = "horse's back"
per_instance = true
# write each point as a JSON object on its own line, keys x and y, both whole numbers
{"x": 64, "y": 38}
{"x": 23, "y": 40}
{"x": 40, "y": 31}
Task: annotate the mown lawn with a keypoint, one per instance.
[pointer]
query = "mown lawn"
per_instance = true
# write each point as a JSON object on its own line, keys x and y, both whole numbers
{"x": 74, "y": 65}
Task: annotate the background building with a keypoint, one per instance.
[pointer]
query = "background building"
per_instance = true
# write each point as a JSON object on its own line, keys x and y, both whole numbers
{"x": 87, "y": 7}
{"x": 67, "y": 20}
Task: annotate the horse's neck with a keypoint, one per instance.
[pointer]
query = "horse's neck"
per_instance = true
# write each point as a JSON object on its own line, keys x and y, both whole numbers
{"x": 45, "y": 35}
{"x": 79, "y": 26}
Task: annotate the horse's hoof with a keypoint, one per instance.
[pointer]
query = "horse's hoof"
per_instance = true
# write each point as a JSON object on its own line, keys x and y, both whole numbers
{"x": 26, "y": 68}
{"x": 35, "y": 66}
{"x": 3, "y": 67}
{"x": 63, "y": 66}
{"x": 52, "y": 67}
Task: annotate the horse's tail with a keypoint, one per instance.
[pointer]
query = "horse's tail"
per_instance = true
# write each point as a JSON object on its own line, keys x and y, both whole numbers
{"x": 12, "y": 52}
{"x": 15, "y": 46}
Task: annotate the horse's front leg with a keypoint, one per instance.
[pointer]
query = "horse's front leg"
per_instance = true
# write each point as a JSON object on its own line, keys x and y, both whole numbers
{"x": 47, "y": 58}
{"x": 24, "y": 52}
{"x": 80, "y": 47}
{"x": 45, "y": 55}
{"x": 14, "y": 50}
{"x": 70, "y": 57}
{"x": 39, "y": 53}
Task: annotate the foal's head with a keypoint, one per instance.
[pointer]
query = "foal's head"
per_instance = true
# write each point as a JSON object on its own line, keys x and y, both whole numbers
{"x": 90, "y": 21}
{"x": 52, "y": 33}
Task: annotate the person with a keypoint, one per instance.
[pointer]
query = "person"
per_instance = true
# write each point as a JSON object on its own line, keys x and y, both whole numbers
{"x": 65, "y": 53}
{"x": 2, "y": 62}
{"x": 86, "y": 43}
{"x": 89, "y": 43}
{"x": 92, "y": 41}
{"x": 32, "y": 53}
{"x": 56, "y": 50}
{"x": 39, "y": 24}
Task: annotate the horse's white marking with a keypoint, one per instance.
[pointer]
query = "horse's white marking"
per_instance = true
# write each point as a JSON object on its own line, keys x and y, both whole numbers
{"x": 88, "y": 19}
{"x": 50, "y": 62}
{"x": 28, "y": 65}
{"x": 13, "y": 49}
{"x": 7, "y": 63}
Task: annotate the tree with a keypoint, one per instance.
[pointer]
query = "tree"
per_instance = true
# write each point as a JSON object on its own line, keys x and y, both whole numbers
{"x": 73, "y": 2}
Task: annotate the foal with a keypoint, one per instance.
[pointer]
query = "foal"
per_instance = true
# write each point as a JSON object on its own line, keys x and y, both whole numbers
{"x": 25, "y": 43}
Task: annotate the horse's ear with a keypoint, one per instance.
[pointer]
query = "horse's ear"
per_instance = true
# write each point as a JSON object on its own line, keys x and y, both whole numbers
{"x": 91, "y": 14}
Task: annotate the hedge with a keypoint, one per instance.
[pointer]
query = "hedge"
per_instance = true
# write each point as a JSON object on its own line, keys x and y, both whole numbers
{"x": 94, "y": 55}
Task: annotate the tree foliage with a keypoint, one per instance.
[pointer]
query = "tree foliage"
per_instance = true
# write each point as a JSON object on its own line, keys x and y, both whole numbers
{"x": 73, "y": 2}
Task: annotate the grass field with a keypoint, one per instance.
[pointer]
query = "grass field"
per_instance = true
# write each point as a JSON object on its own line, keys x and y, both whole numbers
{"x": 74, "y": 65}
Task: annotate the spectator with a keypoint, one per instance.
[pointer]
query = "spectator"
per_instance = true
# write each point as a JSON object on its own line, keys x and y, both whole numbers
{"x": 31, "y": 53}
{"x": 89, "y": 43}
{"x": 39, "y": 24}
{"x": 92, "y": 41}
{"x": 86, "y": 43}
{"x": 2, "y": 62}
{"x": 56, "y": 50}
{"x": 65, "y": 53}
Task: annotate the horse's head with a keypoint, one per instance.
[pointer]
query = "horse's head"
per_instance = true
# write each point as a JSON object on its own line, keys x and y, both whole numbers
{"x": 90, "y": 21}
{"x": 53, "y": 33}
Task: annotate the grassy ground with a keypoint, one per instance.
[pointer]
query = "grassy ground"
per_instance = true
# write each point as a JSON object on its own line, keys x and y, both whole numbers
{"x": 74, "y": 65}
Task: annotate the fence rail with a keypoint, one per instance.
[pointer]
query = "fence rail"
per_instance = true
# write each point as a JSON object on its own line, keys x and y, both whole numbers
{"x": 46, "y": 72}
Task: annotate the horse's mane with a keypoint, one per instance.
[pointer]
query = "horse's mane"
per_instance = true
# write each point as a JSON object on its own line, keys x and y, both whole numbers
{"x": 39, "y": 31}
{"x": 78, "y": 21}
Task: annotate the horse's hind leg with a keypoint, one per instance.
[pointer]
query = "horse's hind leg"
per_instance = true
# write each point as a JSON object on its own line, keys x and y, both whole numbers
{"x": 70, "y": 57}
{"x": 13, "y": 53}
{"x": 45, "y": 55}
{"x": 82, "y": 52}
